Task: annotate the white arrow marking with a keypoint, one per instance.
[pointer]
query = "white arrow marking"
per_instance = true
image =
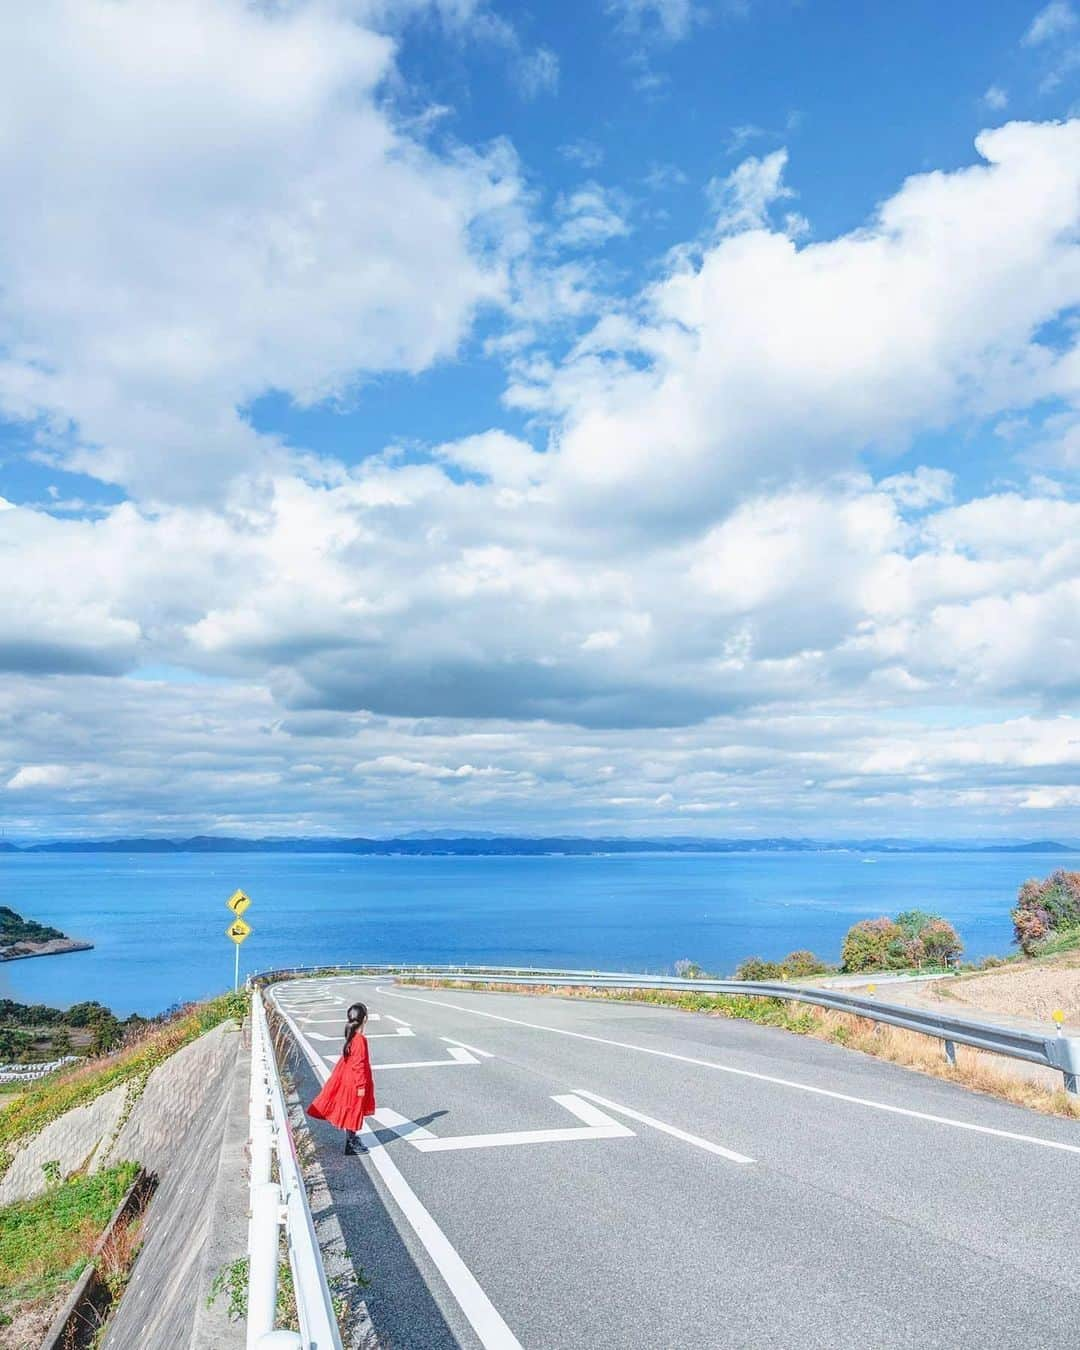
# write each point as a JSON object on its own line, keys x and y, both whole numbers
{"x": 674, "y": 1130}
{"x": 456, "y": 1057}
{"x": 484, "y": 1054}
{"x": 378, "y": 1036}
{"x": 597, "y": 1126}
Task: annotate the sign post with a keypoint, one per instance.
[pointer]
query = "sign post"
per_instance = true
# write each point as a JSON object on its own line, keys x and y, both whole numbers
{"x": 238, "y": 931}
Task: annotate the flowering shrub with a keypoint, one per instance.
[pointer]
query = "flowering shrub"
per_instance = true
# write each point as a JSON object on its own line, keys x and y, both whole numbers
{"x": 1045, "y": 907}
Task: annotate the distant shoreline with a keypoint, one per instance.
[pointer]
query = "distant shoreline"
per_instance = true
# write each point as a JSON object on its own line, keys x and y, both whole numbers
{"x": 524, "y": 846}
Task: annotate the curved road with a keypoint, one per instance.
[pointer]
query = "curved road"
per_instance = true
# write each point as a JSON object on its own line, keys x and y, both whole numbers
{"x": 547, "y": 1172}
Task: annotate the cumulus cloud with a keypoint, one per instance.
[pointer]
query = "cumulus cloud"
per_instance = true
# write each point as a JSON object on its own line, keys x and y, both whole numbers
{"x": 214, "y": 203}
{"x": 702, "y": 528}
{"x": 754, "y": 359}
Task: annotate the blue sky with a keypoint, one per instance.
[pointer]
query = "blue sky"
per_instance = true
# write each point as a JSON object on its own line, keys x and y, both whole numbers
{"x": 635, "y": 417}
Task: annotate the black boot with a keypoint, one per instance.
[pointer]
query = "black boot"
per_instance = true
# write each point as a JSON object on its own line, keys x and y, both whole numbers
{"x": 350, "y": 1144}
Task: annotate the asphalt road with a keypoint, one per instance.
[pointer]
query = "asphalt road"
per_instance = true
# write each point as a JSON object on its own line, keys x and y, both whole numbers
{"x": 551, "y": 1173}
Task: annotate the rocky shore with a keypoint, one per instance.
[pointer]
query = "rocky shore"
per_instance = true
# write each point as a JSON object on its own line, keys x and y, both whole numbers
{"x": 16, "y": 951}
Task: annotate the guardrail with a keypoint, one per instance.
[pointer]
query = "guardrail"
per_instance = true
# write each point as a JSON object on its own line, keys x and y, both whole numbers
{"x": 1053, "y": 1051}
{"x": 278, "y": 1205}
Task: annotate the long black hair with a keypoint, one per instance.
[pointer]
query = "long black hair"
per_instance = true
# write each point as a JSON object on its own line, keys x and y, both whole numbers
{"x": 357, "y": 1016}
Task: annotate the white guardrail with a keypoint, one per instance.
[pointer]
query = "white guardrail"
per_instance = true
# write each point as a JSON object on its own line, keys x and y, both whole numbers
{"x": 276, "y": 1206}
{"x": 1052, "y": 1050}
{"x": 284, "y": 1203}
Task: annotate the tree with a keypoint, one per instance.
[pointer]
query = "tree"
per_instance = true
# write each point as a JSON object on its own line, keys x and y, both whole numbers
{"x": 1045, "y": 907}
{"x": 754, "y": 968}
{"x": 873, "y": 944}
{"x": 940, "y": 942}
{"x": 801, "y": 964}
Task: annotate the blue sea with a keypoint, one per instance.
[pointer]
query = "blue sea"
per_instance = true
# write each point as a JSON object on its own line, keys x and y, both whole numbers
{"x": 158, "y": 920}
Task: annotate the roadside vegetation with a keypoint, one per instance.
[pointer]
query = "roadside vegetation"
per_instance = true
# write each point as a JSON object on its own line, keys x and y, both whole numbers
{"x": 144, "y": 1046}
{"x": 31, "y": 1033}
{"x": 1046, "y": 920}
{"x": 46, "y": 1242}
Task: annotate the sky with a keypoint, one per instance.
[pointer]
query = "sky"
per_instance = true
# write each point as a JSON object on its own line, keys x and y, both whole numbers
{"x": 629, "y": 417}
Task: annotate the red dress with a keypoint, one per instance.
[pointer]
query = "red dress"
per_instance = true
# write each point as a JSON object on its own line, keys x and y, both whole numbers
{"x": 348, "y": 1095}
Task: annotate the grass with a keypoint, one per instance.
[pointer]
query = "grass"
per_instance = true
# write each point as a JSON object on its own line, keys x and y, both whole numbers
{"x": 924, "y": 1054}
{"x": 46, "y": 1242}
{"x": 150, "y": 1045}
{"x": 1067, "y": 940}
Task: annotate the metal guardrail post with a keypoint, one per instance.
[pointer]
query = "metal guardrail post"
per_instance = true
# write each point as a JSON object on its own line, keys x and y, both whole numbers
{"x": 266, "y": 1215}
{"x": 274, "y": 1205}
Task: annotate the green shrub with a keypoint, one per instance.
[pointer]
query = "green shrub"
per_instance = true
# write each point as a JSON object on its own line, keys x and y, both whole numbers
{"x": 912, "y": 939}
{"x": 801, "y": 964}
{"x": 754, "y": 968}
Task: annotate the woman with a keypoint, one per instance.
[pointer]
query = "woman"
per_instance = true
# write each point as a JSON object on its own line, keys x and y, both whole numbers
{"x": 348, "y": 1095}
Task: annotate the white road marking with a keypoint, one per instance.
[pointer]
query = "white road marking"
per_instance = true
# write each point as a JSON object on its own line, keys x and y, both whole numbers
{"x": 484, "y": 1054}
{"x": 377, "y": 1036}
{"x": 667, "y": 1129}
{"x": 597, "y": 1126}
{"x": 464, "y": 1288}
{"x": 456, "y": 1057}
{"x": 398, "y": 1020}
{"x": 749, "y": 1073}
{"x": 334, "y": 1021}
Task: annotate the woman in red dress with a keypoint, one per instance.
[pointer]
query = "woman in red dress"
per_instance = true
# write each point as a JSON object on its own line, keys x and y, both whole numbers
{"x": 348, "y": 1095}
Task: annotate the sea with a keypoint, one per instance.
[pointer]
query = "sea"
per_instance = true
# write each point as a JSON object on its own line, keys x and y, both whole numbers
{"x": 158, "y": 921}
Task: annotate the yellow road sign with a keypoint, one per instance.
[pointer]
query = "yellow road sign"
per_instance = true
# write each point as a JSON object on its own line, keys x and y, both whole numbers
{"x": 238, "y": 931}
{"x": 238, "y": 902}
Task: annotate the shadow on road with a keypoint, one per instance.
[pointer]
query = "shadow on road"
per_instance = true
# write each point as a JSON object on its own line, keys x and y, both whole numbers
{"x": 403, "y": 1314}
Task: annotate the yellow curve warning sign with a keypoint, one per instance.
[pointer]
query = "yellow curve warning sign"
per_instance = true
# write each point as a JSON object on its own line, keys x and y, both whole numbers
{"x": 238, "y": 902}
{"x": 238, "y": 930}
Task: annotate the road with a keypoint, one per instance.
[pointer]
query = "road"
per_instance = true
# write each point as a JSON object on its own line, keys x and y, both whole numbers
{"x": 569, "y": 1175}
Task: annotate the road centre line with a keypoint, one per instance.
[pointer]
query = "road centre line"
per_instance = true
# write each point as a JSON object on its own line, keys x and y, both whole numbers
{"x": 749, "y": 1073}
{"x": 484, "y": 1054}
{"x": 673, "y": 1130}
{"x": 480, "y": 1312}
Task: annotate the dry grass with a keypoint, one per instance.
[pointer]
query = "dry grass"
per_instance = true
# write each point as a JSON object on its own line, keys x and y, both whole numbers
{"x": 974, "y": 1069}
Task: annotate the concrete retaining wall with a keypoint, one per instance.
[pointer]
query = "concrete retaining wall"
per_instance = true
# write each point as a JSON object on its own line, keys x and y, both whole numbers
{"x": 71, "y": 1141}
{"x": 197, "y": 1221}
{"x": 189, "y": 1127}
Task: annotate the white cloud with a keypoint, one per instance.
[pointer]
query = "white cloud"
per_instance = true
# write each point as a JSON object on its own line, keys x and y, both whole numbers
{"x": 753, "y": 360}
{"x": 742, "y": 200}
{"x": 590, "y": 216}
{"x": 583, "y": 152}
{"x": 538, "y": 72}
{"x": 996, "y": 98}
{"x": 160, "y": 272}
{"x": 39, "y": 776}
{"x": 671, "y": 18}
{"x": 1050, "y": 23}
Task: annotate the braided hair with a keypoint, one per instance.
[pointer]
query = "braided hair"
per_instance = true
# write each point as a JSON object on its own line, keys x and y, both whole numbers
{"x": 357, "y": 1016}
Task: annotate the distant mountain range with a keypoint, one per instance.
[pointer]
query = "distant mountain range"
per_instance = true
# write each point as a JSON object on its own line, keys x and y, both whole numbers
{"x": 436, "y": 843}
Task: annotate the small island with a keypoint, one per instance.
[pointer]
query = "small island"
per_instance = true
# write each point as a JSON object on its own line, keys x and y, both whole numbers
{"x": 21, "y": 937}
